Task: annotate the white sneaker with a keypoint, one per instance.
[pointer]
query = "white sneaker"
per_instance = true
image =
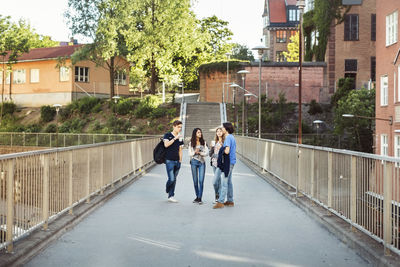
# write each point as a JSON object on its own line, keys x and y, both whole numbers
{"x": 173, "y": 200}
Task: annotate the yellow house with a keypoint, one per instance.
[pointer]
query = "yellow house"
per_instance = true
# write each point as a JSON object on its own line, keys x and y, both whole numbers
{"x": 39, "y": 78}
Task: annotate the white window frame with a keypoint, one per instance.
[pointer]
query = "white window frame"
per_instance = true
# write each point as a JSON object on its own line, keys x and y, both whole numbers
{"x": 19, "y": 76}
{"x": 391, "y": 28}
{"x": 35, "y": 76}
{"x": 64, "y": 74}
{"x": 384, "y": 145}
{"x": 397, "y": 146}
{"x": 120, "y": 78}
{"x": 384, "y": 90}
{"x": 84, "y": 77}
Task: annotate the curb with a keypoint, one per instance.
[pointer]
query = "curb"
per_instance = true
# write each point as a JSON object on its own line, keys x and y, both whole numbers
{"x": 366, "y": 247}
{"x": 28, "y": 247}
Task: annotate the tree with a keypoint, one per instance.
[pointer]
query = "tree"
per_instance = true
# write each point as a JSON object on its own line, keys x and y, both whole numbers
{"x": 360, "y": 131}
{"x": 219, "y": 35}
{"x": 242, "y": 52}
{"x": 293, "y": 48}
{"x": 103, "y": 21}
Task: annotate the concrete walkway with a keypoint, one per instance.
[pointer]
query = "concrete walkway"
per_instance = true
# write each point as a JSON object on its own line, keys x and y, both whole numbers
{"x": 140, "y": 228}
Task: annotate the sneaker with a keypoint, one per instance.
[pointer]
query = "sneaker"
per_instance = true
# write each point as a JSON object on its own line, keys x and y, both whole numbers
{"x": 172, "y": 199}
{"x": 196, "y": 200}
{"x": 218, "y": 206}
{"x": 229, "y": 204}
{"x": 200, "y": 201}
{"x": 215, "y": 201}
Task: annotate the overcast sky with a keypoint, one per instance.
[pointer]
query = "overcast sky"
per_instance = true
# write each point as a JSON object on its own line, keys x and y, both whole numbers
{"x": 46, "y": 16}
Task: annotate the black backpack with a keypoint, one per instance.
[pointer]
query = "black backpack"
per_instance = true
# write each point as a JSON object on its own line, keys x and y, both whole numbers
{"x": 159, "y": 152}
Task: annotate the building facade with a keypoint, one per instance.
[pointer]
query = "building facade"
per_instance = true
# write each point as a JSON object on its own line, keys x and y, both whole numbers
{"x": 46, "y": 76}
{"x": 387, "y": 78}
{"x": 280, "y": 22}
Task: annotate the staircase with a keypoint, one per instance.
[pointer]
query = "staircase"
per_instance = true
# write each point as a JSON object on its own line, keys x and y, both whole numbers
{"x": 206, "y": 116}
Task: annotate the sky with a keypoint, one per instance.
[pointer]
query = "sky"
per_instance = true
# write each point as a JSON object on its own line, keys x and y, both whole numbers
{"x": 46, "y": 16}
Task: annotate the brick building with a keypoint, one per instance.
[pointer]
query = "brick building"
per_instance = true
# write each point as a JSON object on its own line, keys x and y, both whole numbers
{"x": 280, "y": 22}
{"x": 276, "y": 77}
{"x": 387, "y": 75}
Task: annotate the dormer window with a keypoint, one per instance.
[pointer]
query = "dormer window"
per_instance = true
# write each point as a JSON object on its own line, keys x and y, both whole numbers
{"x": 293, "y": 14}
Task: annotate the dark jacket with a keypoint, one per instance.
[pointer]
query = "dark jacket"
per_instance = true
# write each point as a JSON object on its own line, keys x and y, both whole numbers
{"x": 224, "y": 162}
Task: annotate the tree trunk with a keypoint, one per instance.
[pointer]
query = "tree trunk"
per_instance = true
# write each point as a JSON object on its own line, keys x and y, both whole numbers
{"x": 112, "y": 67}
{"x": 11, "y": 81}
{"x": 153, "y": 76}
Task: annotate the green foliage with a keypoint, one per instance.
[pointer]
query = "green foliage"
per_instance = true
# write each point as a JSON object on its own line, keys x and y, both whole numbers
{"x": 361, "y": 103}
{"x": 124, "y": 106}
{"x": 293, "y": 49}
{"x": 33, "y": 128}
{"x": 73, "y": 126}
{"x": 315, "y": 108}
{"x": 345, "y": 85}
{"x": 51, "y": 128}
{"x": 221, "y": 66}
{"x": 116, "y": 125}
{"x": 47, "y": 113}
{"x": 242, "y": 52}
{"x": 66, "y": 112}
{"x": 86, "y": 104}
{"x": 8, "y": 108}
{"x": 146, "y": 106}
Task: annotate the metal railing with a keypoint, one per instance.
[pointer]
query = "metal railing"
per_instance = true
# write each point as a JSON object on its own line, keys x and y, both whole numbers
{"x": 363, "y": 189}
{"x": 36, "y": 187}
{"x": 60, "y": 139}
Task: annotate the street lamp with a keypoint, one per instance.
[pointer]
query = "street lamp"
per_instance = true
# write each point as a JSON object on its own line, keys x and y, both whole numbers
{"x": 243, "y": 74}
{"x": 317, "y": 124}
{"x": 228, "y": 55}
{"x": 116, "y": 98}
{"x": 247, "y": 97}
{"x": 57, "y": 106}
{"x": 300, "y": 5}
{"x": 261, "y": 49}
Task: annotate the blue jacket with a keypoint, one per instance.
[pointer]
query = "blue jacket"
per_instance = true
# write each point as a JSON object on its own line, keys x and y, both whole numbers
{"x": 223, "y": 161}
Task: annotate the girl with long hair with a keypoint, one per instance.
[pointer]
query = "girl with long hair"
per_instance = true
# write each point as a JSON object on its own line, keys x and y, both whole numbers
{"x": 215, "y": 147}
{"x": 198, "y": 150}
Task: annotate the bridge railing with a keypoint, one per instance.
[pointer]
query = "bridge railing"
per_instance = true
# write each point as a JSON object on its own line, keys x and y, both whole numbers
{"x": 38, "y": 186}
{"x": 60, "y": 139}
{"x": 363, "y": 189}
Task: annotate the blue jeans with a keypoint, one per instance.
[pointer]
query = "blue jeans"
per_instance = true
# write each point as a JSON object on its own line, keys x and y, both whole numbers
{"x": 173, "y": 167}
{"x": 226, "y": 187}
{"x": 217, "y": 180}
{"x": 198, "y": 173}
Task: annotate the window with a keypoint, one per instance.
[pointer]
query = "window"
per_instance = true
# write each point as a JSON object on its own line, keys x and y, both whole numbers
{"x": 281, "y": 36}
{"x": 397, "y": 146}
{"x": 384, "y": 145}
{"x": 34, "y": 75}
{"x": 373, "y": 69}
{"x": 64, "y": 74}
{"x": 294, "y": 14}
{"x": 350, "y": 65}
{"x": 351, "y": 27}
{"x": 391, "y": 29}
{"x": 373, "y": 27}
{"x": 314, "y": 37}
{"x": 81, "y": 74}
{"x": 7, "y": 77}
{"x": 384, "y": 90}
{"x": 19, "y": 76}
{"x": 280, "y": 57}
{"x": 120, "y": 78}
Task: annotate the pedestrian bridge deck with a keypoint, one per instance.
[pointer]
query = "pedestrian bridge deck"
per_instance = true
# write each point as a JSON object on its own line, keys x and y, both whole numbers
{"x": 138, "y": 227}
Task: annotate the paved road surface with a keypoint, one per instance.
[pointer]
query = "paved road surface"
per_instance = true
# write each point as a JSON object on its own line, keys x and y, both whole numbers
{"x": 140, "y": 228}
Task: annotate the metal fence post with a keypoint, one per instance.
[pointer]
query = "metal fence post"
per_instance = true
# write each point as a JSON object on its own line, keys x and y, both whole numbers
{"x": 64, "y": 140}
{"x": 312, "y": 176}
{"x": 88, "y": 177}
{"x": 45, "y": 191}
{"x": 353, "y": 192}
{"x": 112, "y": 166}
{"x": 298, "y": 171}
{"x": 102, "y": 170}
{"x": 37, "y": 139}
{"x": 330, "y": 182}
{"x": 10, "y": 205}
{"x": 70, "y": 182}
{"x": 387, "y": 206}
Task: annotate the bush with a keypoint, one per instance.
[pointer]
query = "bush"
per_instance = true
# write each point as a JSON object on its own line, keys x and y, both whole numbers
{"x": 314, "y": 108}
{"x": 73, "y": 126}
{"x": 51, "y": 128}
{"x": 124, "y": 106}
{"x": 47, "y": 113}
{"x": 86, "y": 104}
{"x": 146, "y": 106}
{"x": 116, "y": 126}
{"x": 66, "y": 112}
{"x": 33, "y": 128}
{"x": 158, "y": 112}
{"x": 171, "y": 112}
{"x": 8, "y": 108}
{"x": 97, "y": 108}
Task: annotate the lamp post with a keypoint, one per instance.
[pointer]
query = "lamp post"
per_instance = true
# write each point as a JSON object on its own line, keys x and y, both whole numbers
{"x": 261, "y": 49}
{"x": 116, "y": 98}
{"x": 247, "y": 97}
{"x": 317, "y": 124}
{"x": 228, "y": 55}
{"x": 300, "y": 5}
{"x": 57, "y": 106}
{"x": 243, "y": 74}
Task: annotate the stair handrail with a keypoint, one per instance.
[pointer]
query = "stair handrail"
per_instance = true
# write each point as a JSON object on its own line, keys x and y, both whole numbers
{"x": 222, "y": 107}
{"x": 182, "y": 117}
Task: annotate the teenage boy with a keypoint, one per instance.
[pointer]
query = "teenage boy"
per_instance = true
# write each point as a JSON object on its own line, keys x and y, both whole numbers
{"x": 173, "y": 142}
{"x": 226, "y": 181}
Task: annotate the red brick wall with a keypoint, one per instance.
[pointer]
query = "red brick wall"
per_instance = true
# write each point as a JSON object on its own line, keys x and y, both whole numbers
{"x": 277, "y": 77}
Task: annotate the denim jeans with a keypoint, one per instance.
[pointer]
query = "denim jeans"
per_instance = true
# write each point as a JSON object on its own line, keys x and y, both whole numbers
{"x": 217, "y": 180}
{"x": 198, "y": 173}
{"x": 226, "y": 187}
{"x": 173, "y": 167}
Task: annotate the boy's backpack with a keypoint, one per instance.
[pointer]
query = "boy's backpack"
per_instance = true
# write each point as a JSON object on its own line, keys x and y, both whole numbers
{"x": 159, "y": 152}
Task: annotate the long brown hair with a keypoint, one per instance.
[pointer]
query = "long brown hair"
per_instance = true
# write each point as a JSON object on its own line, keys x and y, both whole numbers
{"x": 216, "y": 136}
{"x": 193, "y": 140}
